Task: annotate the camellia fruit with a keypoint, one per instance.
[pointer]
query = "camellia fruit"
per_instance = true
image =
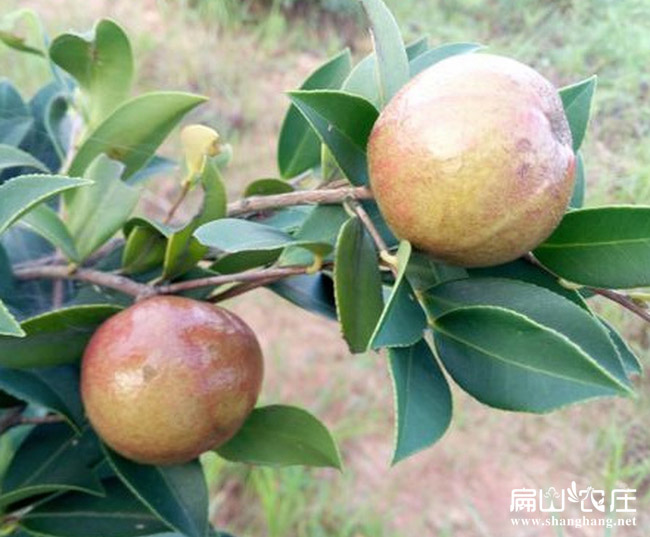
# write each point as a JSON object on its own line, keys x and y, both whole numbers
{"x": 472, "y": 160}
{"x": 170, "y": 378}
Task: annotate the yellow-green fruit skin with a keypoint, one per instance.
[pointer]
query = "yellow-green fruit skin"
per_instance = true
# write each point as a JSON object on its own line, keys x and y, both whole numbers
{"x": 472, "y": 160}
{"x": 170, "y": 378}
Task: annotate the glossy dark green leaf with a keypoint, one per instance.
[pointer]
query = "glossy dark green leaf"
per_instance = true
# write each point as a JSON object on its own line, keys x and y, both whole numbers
{"x": 9, "y": 327}
{"x": 423, "y": 272}
{"x": 135, "y": 130}
{"x": 403, "y": 321}
{"x": 423, "y": 405}
{"x": 19, "y": 195}
{"x": 233, "y": 263}
{"x": 435, "y": 55}
{"x": 183, "y": 251}
{"x": 527, "y": 272}
{"x": 551, "y": 311}
{"x": 298, "y": 145}
{"x": 56, "y": 389}
{"x": 392, "y": 62}
{"x": 267, "y": 187}
{"x": 96, "y": 213}
{"x": 314, "y": 292}
{"x": 54, "y": 338}
{"x": 578, "y": 196}
{"x": 279, "y": 435}
{"x": 52, "y": 458}
{"x": 576, "y": 100}
{"x": 630, "y": 361}
{"x": 118, "y": 514}
{"x": 45, "y": 221}
{"x": 146, "y": 243}
{"x": 507, "y": 360}
{"x": 601, "y": 247}
{"x": 101, "y": 62}
{"x": 176, "y": 494}
{"x": 357, "y": 284}
{"x": 234, "y": 235}
{"x": 288, "y": 220}
{"x": 343, "y": 122}
{"x": 12, "y": 157}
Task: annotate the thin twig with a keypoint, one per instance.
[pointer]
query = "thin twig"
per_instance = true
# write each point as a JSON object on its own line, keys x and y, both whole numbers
{"x": 14, "y": 417}
{"x": 177, "y": 203}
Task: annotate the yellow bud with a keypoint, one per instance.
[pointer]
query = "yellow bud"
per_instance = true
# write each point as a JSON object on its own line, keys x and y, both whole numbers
{"x": 199, "y": 142}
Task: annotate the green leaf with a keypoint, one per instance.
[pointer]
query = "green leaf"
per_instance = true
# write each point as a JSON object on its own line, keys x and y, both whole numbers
{"x": 8, "y": 325}
{"x": 423, "y": 272}
{"x": 156, "y": 166}
{"x": 44, "y": 221}
{"x": 178, "y": 494}
{"x": 423, "y": 403}
{"x": 21, "y": 194}
{"x": 96, "y": 213}
{"x": 22, "y": 30}
{"x": 118, "y": 514}
{"x": 298, "y": 145}
{"x": 322, "y": 225}
{"x": 357, "y": 284}
{"x": 144, "y": 250}
{"x": 53, "y": 458}
{"x": 280, "y": 435}
{"x": 183, "y": 251}
{"x": 15, "y": 118}
{"x": 601, "y": 247}
{"x": 578, "y": 197}
{"x": 343, "y": 122}
{"x": 54, "y": 338}
{"x": 576, "y": 100}
{"x": 402, "y": 322}
{"x": 56, "y": 389}
{"x": 631, "y": 363}
{"x": 11, "y": 157}
{"x": 312, "y": 292}
{"x": 435, "y": 55}
{"x": 234, "y": 235}
{"x": 417, "y": 47}
{"x": 102, "y": 64}
{"x": 554, "y": 312}
{"x": 508, "y": 361}
{"x": 392, "y": 62}
{"x": 267, "y": 187}
{"x": 233, "y": 263}
{"x": 135, "y": 130}
{"x": 527, "y": 272}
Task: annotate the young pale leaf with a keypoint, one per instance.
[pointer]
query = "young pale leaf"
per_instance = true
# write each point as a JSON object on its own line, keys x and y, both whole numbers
{"x": 357, "y": 284}
{"x": 135, "y": 130}
{"x": 96, "y": 213}
{"x": 570, "y": 321}
{"x": 56, "y": 389}
{"x": 46, "y": 222}
{"x": 267, "y": 187}
{"x": 312, "y": 292}
{"x": 601, "y": 247}
{"x": 13, "y": 34}
{"x": 435, "y": 55}
{"x": 177, "y": 494}
{"x": 343, "y": 122}
{"x": 298, "y": 145}
{"x": 507, "y": 360}
{"x": 403, "y": 321}
{"x": 392, "y": 62}
{"x": 183, "y": 251}
{"x": 280, "y": 435}
{"x": 423, "y": 403}
{"x": 630, "y": 361}
{"x": 576, "y": 100}
{"x": 21, "y": 194}
{"x": 55, "y": 338}
{"x": 118, "y": 514}
{"x": 102, "y": 64}
{"x": 53, "y": 458}
{"x": 12, "y": 157}
{"x": 9, "y": 327}
{"x": 578, "y": 196}
{"x": 234, "y": 235}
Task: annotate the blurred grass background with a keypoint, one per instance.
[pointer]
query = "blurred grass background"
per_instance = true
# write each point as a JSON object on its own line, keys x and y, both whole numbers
{"x": 244, "y": 54}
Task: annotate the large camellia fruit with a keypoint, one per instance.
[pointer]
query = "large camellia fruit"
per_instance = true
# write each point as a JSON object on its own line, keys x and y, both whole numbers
{"x": 472, "y": 160}
{"x": 169, "y": 378}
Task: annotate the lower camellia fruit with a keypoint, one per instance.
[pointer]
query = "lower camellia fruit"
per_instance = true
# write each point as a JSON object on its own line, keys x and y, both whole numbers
{"x": 472, "y": 160}
{"x": 169, "y": 378}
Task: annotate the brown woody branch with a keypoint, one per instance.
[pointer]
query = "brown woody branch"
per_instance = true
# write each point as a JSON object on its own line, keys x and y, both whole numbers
{"x": 14, "y": 417}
